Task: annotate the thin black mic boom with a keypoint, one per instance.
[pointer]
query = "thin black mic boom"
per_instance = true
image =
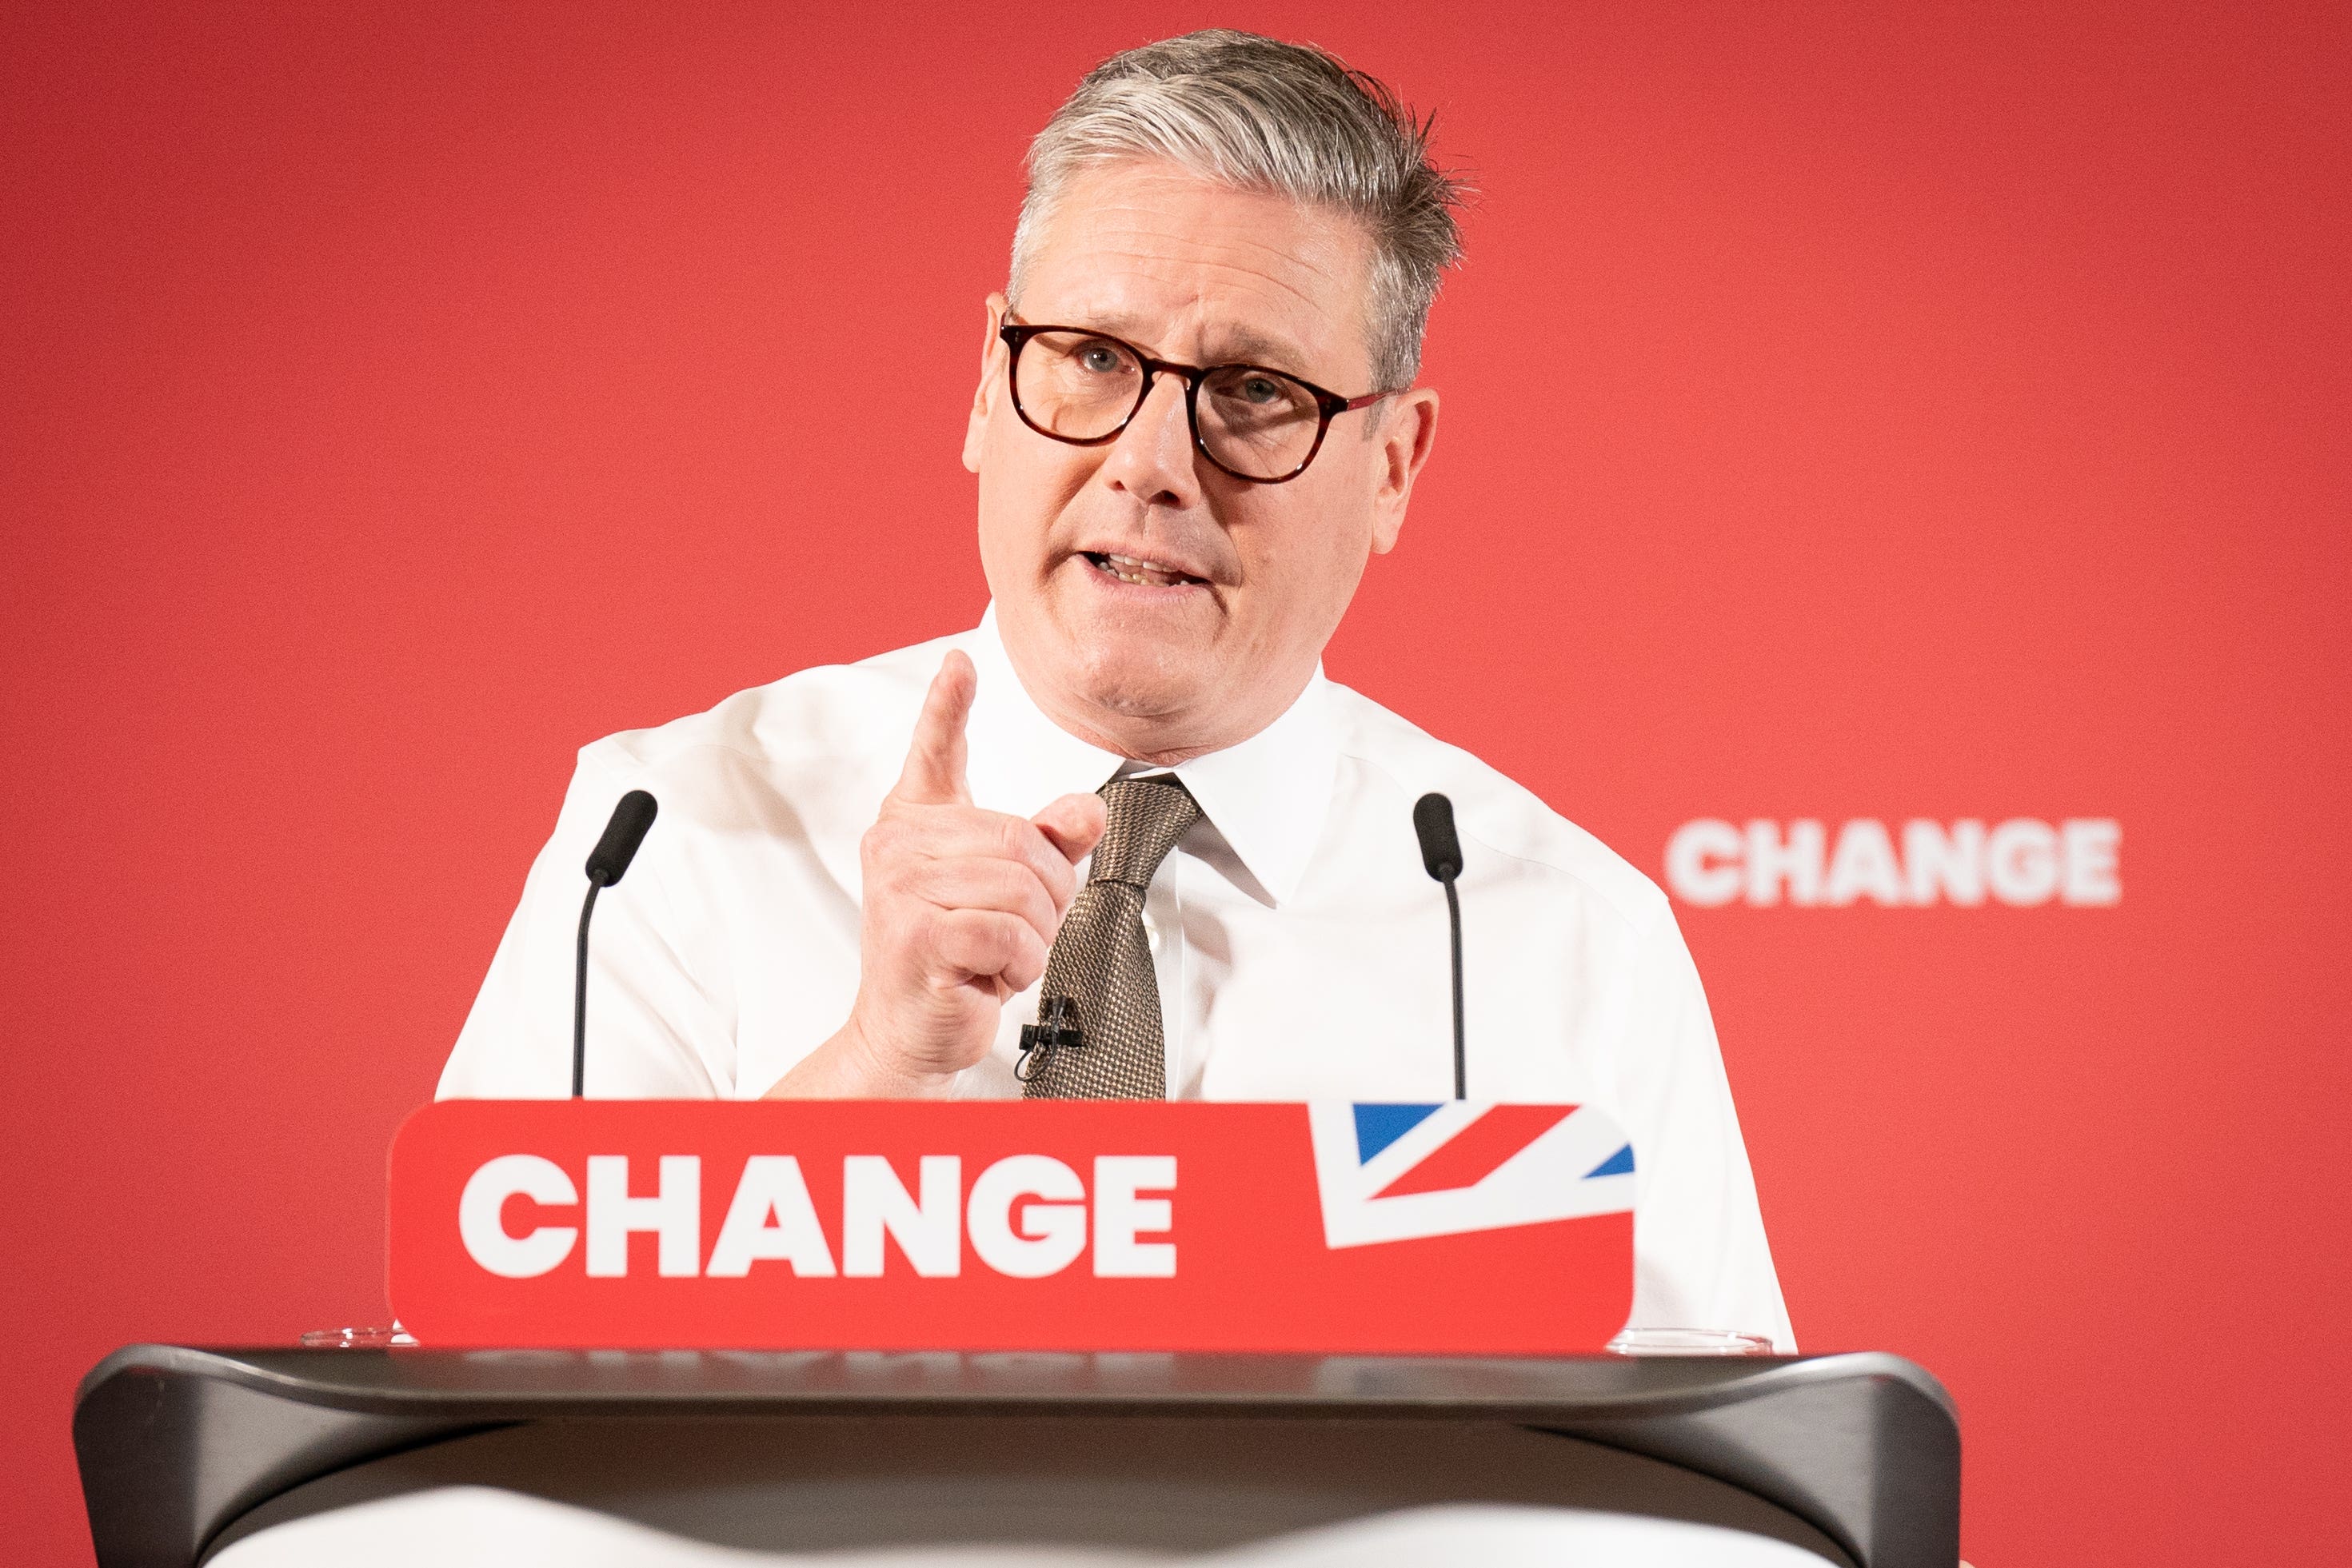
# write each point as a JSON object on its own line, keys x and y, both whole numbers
{"x": 607, "y": 863}
{"x": 1441, "y": 856}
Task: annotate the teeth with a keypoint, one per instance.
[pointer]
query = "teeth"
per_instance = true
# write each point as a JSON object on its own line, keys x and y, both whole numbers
{"x": 1143, "y": 573}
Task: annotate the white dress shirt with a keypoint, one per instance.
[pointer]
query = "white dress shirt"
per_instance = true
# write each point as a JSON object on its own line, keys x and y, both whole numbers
{"x": 1301, "y": 948}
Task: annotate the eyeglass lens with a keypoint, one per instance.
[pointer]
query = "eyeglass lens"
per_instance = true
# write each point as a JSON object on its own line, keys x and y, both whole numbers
{"x": 1260, "y": 424}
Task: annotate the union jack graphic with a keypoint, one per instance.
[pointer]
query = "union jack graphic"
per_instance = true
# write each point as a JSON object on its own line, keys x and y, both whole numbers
{"x": 1396, "y": 1173}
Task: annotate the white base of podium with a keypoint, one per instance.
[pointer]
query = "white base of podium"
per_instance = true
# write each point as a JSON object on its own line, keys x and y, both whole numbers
{"x": 973, "y": 1490}
{"x": 482, "y": 1526}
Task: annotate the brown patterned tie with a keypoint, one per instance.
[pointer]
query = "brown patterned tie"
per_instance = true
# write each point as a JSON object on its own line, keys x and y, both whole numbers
{"x": 1102, "y": 961}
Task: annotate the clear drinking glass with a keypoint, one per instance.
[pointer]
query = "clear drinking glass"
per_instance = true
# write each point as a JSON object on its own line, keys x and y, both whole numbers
{"x": 1688, "y": 1342}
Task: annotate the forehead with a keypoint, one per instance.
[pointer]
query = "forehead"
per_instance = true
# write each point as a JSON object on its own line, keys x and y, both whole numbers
{"x": 1196, "y": 271}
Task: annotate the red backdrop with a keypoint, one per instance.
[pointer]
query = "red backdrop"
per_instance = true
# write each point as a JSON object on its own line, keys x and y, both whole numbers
{"x": 1894, "y": 412}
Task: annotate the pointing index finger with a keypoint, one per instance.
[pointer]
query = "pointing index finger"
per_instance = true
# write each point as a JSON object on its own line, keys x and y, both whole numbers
{"x": 934, "y": 774}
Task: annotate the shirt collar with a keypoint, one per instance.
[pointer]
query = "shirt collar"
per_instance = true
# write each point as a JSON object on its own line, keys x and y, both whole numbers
{"x": 1266, "y": 796}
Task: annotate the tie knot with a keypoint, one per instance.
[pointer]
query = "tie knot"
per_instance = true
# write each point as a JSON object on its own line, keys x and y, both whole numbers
{"x": 1145, "y": 818}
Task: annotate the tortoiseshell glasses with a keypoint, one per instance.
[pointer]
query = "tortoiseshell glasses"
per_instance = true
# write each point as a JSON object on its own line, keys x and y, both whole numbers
{"x": 1081, "y": 386}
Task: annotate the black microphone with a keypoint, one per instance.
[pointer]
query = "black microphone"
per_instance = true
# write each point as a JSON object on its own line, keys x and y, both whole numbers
{"x": 607, "y": 864}
{"x": 623, "y": 834}
{"x": 1441, "y": 853}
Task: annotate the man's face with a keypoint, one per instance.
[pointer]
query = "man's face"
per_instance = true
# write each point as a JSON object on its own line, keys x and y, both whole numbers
{"x": 1151, "y": 602}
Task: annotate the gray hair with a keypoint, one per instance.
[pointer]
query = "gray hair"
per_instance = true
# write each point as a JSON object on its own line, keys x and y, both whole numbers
{"x": 1262, "y": 115}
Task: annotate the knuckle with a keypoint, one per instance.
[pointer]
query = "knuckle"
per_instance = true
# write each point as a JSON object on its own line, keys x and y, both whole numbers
{"x": 1060, "y": 877}
{"x": 1019, "y": 884}
{"x": 883, "y": 839}
{"x": 1038, "y": 853}
{"x": 946, "y": 943}
{"x": 1002, "y": 935}
{"x": 1014, "y": 837}
{"x": 979, "y": 934}
{"x": 963, "y": 884}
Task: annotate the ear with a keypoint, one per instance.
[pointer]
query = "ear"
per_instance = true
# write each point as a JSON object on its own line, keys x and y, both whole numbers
{"x": 992, "y": 381}
{"x": 1406, "y": 435}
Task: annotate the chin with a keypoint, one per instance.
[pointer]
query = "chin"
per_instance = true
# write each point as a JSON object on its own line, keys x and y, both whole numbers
{"x": 1140, "y": 679}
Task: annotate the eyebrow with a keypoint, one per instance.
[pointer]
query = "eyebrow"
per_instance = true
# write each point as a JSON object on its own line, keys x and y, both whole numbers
{"x": 1243, "y": 344}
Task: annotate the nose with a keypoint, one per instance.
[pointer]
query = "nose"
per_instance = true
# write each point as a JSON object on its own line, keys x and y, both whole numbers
{"x": 1152, "y": 458}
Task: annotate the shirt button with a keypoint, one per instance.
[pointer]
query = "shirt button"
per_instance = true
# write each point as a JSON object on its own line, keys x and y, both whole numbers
{"x": 1151, "y": 936}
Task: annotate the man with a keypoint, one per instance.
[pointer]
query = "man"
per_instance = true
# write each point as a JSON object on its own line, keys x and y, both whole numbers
{"x": 1131, "y": 786}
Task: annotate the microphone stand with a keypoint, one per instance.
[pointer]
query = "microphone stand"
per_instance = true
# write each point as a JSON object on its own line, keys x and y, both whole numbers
{"x": 1441, "y": 856}
{"x": 1454, "y": 918}
{"x": 580, "y": 998}
{"x": 606, "y": 862}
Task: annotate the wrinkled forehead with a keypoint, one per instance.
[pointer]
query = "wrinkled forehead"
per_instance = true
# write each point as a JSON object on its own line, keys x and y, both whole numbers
{"x": 1191, "y": 269}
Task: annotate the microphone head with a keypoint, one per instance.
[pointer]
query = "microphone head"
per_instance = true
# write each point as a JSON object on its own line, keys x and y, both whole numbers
{"x": 1432, "y": 822}
{"x": 623, "y": 834}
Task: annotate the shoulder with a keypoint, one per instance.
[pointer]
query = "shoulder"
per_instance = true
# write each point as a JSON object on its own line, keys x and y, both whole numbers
{"x": 1492, "y": 811}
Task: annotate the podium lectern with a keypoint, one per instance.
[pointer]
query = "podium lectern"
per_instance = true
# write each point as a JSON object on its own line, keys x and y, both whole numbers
{"x": 1854, "y": 1458}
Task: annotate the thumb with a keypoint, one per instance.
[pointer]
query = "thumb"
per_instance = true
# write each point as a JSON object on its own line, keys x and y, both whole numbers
{"x": 1074, "y": 824}
{"x": 934, "y": 774}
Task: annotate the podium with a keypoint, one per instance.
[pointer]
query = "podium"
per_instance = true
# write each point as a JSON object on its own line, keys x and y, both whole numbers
{"x": 1852, "y": 1458}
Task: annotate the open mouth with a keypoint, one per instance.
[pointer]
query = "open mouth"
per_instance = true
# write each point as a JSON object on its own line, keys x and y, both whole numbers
{"x": 1141, "y": 573}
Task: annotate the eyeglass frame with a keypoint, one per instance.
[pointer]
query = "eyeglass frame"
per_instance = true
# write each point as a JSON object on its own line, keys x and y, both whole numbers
{"x": 1329, "y": 405}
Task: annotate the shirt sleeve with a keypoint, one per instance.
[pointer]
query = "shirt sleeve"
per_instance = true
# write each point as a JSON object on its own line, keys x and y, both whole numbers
{"x": 654, "y": 1030}
{"x": 1700, "y": 1260}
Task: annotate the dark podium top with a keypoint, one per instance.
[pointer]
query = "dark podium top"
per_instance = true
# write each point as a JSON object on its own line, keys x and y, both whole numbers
{"x": 175, "y": 1445}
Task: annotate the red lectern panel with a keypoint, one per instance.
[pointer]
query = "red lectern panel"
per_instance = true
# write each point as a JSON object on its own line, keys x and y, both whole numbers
{"x": 1450, "y": 1230}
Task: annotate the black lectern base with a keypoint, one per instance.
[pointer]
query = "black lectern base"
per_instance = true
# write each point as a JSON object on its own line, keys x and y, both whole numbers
{"x": 189, "y": 1454}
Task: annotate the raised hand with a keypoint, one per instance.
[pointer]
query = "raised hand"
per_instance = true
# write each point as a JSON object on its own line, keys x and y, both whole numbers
{"x": 961, "y": 908}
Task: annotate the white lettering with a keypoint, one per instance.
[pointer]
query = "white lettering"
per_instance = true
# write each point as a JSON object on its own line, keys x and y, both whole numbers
{"x": 481, "y": 1209}
{"x": 1028, "y": 1214}
{"x": 1703, "y": 862}
{"x": 1120, "y": 1215}
{"x": 674, "y": 1214}
{"x": 2088, "y": 848}
{"x": 772, "y": 1189}
{"x": 2022, "y": 861}
{"x": 1863, "y": 865}
{"x": 1051, "y": 1234}
{"x": 1797, "y": 861}
{"x": 1950, "y": 864}
{"x": 873, "y": 1200}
